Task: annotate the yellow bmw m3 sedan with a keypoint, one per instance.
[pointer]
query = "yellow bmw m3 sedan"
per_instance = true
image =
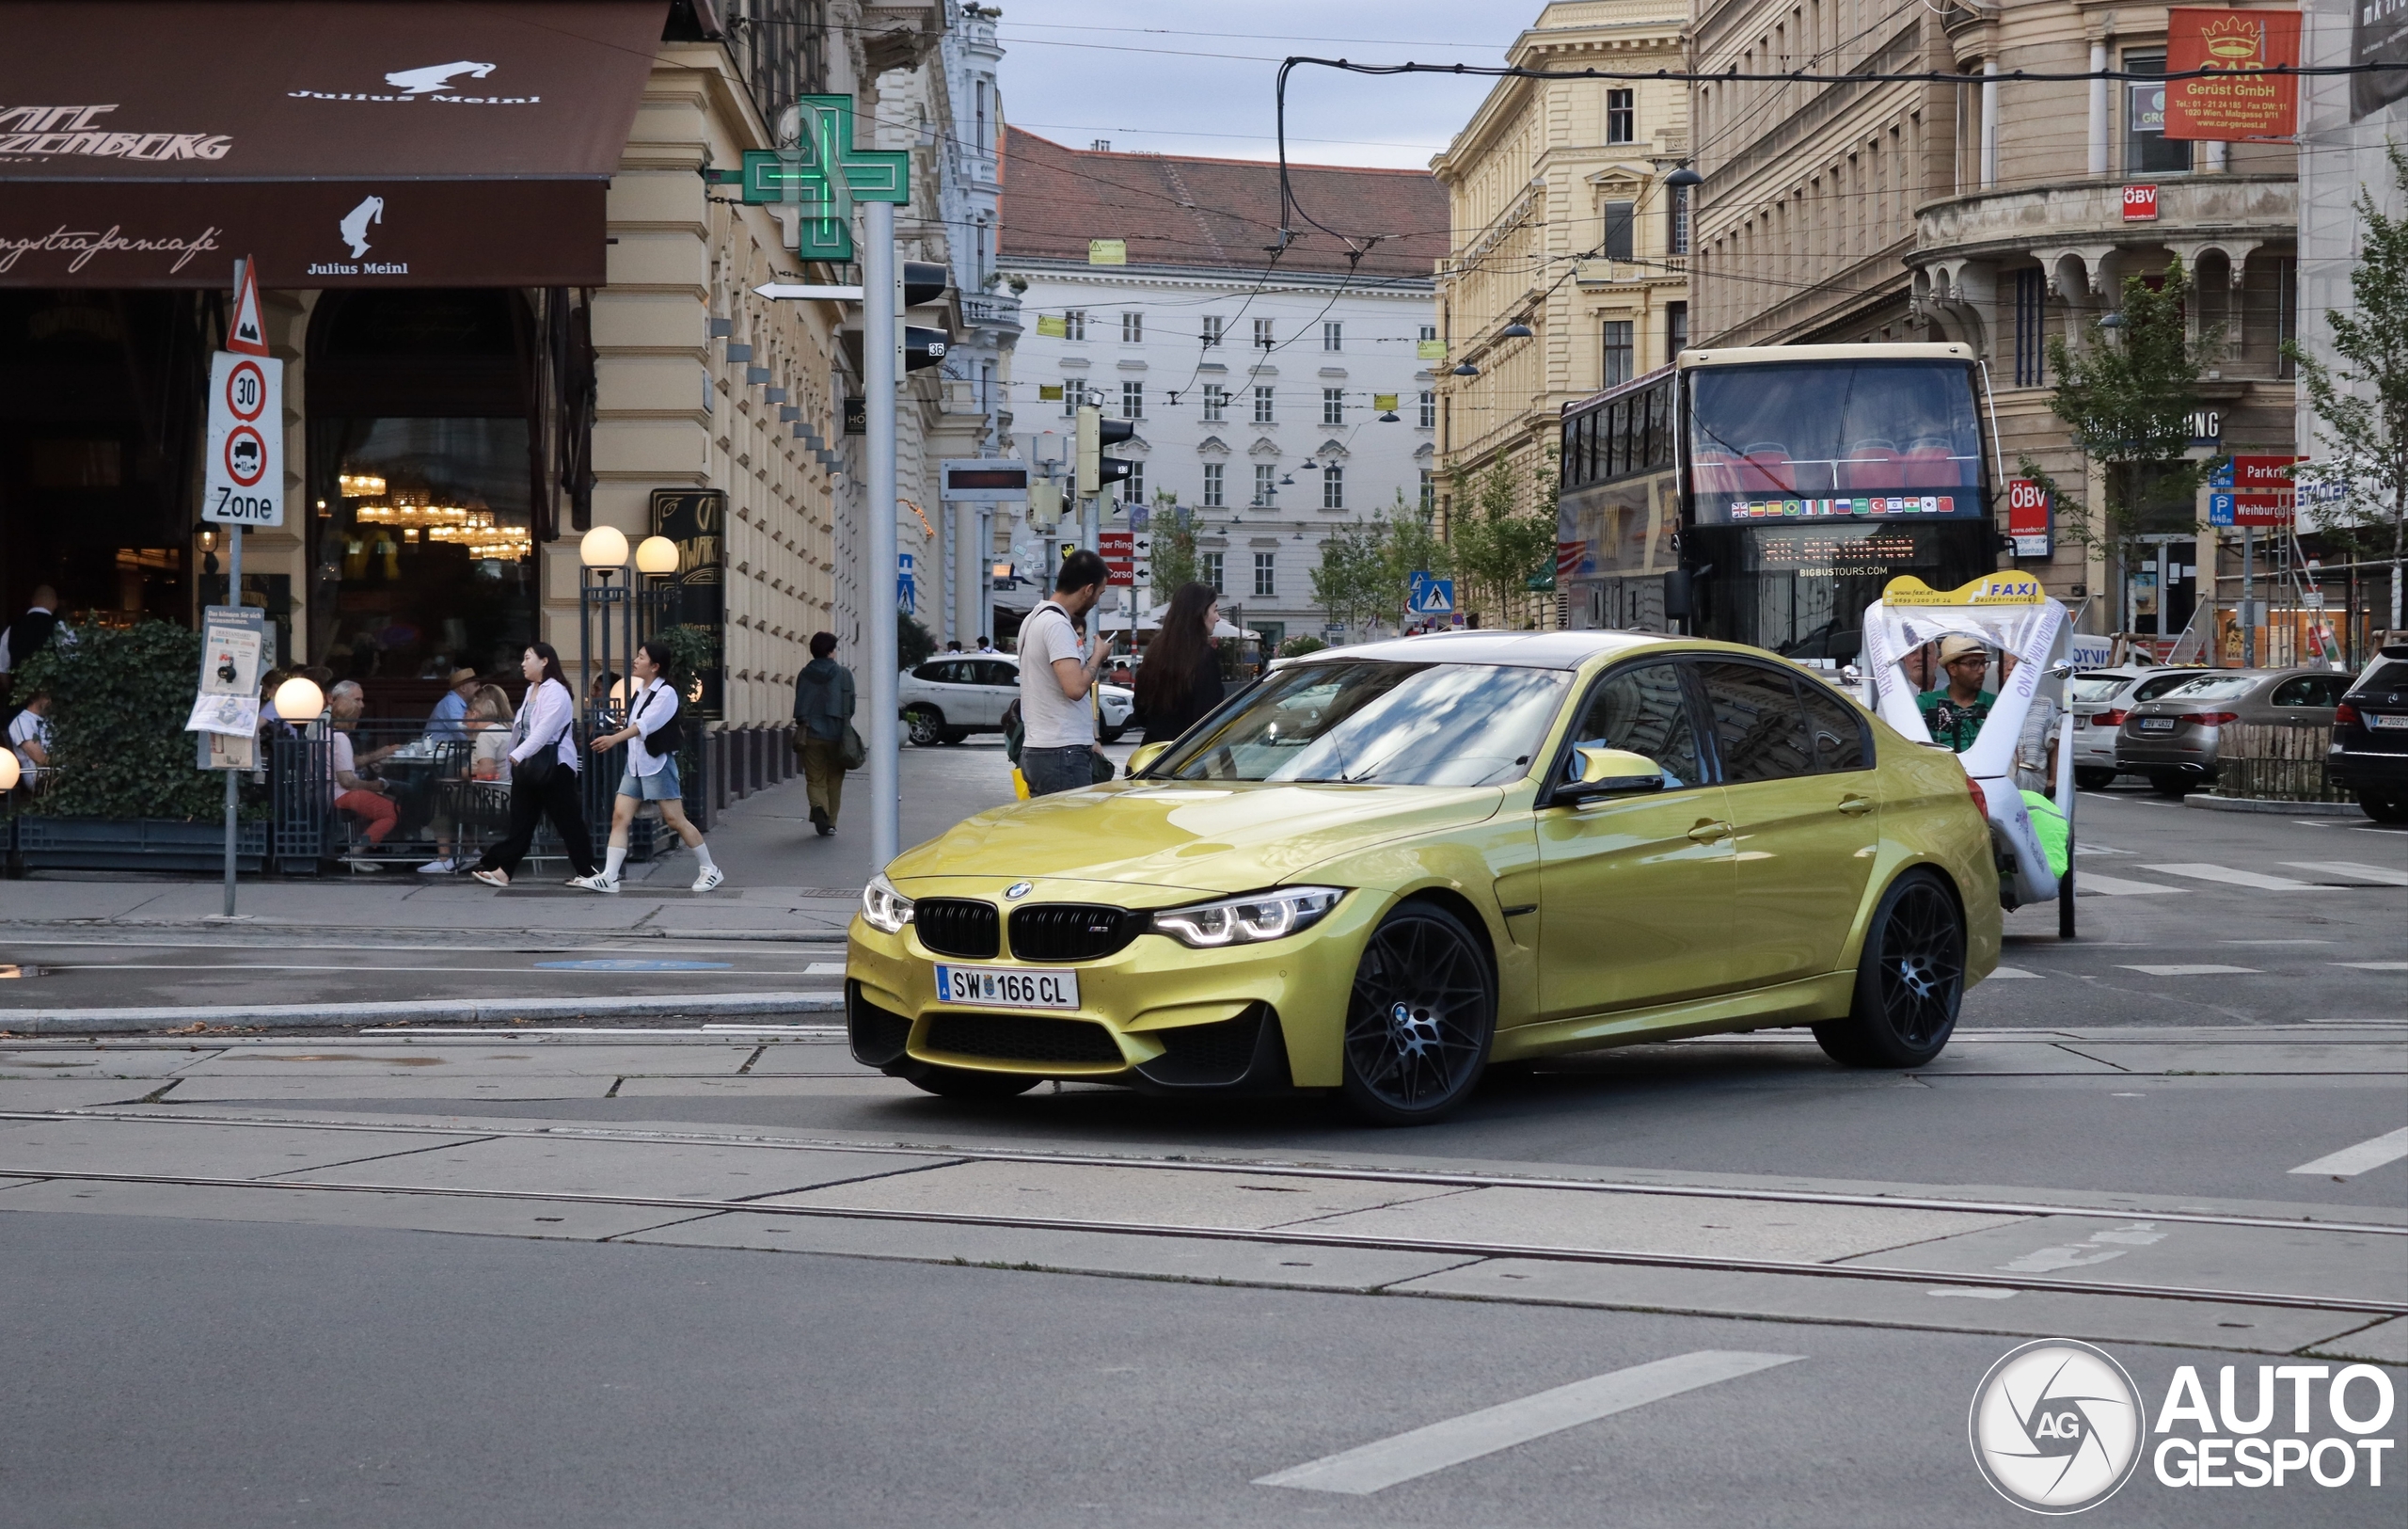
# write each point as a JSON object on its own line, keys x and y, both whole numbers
{"x": 1386, "y": 866}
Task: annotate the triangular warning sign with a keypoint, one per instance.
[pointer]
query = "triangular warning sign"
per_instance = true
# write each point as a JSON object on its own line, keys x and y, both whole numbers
{"x": 248, "y": 332}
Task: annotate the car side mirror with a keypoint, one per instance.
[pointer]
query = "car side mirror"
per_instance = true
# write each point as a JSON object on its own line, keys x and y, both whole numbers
{"x": 1610, "y": 773}
{"x": 1144, "y": 755}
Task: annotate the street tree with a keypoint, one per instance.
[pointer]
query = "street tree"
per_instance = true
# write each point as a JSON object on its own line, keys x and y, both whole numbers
{"x": 2359, "y": 481}
{"x": 1502, "y": 534}
{"x": 1353, "y": 560}
{"x": 1172, "y": 529}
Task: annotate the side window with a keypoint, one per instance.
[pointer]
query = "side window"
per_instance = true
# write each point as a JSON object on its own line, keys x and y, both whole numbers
{"x": 1759, "y": 726}
{"x": 992, "y": 673}
{"x": 2299, "y": 691}
{"x": 1645, "y": 711}
{"x": 2331, "y": 688}
{"x": 933, "y": 674}
{"x": 1840, "y": 743}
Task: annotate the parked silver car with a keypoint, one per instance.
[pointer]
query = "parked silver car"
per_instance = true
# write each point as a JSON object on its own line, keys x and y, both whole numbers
{"x": 2100, "y": 699}
{"x": 2172, "y": 739}
{"x": 954, "y": 694}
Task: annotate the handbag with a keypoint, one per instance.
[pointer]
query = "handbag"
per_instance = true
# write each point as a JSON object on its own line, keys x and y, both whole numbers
{"x": 538, "y": 768}
{"x": 1100, "y": 768}
{"x": 854, "y": 751}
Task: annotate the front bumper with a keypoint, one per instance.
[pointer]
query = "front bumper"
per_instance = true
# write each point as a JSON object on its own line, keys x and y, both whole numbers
{"x": 1154, "y": 1015}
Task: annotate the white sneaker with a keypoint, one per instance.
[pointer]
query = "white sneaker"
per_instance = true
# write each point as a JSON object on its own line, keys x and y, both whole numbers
{"x": 361, "y": 864}
{"x": 438, "y": 867}
{"x": 710, "y": 878}
{"x": 596, "y": 883}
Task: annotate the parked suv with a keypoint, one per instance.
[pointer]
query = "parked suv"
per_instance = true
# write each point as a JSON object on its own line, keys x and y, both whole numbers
{"x": 2100, "y": 699}
{"x": 946, "y": 699}
{"x": 2172, "y": 739}
{"x": 2369, "y": 752}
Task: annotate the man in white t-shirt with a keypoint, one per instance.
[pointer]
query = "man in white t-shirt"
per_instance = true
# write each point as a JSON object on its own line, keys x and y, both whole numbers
{"x": 1057, "y": 751}
{"x": 30, "y": 734}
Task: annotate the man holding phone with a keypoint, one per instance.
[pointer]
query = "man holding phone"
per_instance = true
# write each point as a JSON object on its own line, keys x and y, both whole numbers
{"x": 1059, "y": 753}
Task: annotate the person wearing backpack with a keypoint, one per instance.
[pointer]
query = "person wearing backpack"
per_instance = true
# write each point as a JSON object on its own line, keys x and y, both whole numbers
{"x": 653, "y": 735}
{"x": 823, "y": 711}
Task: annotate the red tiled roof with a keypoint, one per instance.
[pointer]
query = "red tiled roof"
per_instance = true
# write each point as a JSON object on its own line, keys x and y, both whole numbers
{"x": 1214, "y": 212}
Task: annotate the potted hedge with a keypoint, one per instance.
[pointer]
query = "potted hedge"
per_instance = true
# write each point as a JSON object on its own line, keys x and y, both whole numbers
{"x": 127, "y": 795}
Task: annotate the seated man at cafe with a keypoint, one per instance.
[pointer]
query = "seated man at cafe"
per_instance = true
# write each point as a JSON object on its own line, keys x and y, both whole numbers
{"x": 29, "y": 736}
{"x": 445, "y": 724}
{"x": 1955, "y": 710}
{"x": 355, "y": 796}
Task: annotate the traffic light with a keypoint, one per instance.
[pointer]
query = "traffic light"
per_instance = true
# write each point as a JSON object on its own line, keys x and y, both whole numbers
{"x": 921, "y": 280}
{"x": 922, "y": 347}
{"x": 1096, "y": 433}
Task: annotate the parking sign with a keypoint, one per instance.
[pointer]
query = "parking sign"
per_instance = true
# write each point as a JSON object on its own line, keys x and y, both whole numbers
{"x": 242, "y": 473}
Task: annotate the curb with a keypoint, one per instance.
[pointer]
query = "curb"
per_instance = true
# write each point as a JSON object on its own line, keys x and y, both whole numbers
{"x": 320, "y": 1016}
{"x": 2291, "y": 809}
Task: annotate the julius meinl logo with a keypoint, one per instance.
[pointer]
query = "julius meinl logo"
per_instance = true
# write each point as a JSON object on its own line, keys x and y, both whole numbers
{"x": 429, "y": 82}
{"x": 2057, "y": 1427}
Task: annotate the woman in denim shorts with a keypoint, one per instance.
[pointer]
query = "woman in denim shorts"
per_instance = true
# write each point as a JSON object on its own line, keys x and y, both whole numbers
{"x": 650, "y": 777}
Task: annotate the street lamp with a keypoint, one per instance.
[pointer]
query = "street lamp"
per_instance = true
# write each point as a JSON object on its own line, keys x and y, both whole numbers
{"x": 655, "y": 554}
{"x": 1467, "y": 370}
{"x": 1684, "y": 178}
{"x": 602, "y": 554}
{"x": 299, "y": 701}
{"x": 1515, "y": 330}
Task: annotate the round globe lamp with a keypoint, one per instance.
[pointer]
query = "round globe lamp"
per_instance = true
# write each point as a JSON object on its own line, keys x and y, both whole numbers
{"x": 299, "y": 700}
{"x": 656, "y": 554}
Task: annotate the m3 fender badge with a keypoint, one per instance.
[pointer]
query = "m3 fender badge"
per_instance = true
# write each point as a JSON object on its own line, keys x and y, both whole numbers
{"x": 1018, "y": 890}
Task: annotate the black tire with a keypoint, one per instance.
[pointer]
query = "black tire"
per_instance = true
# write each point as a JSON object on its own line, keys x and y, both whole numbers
{"x": 1420, "y": 1018}
{"x": 959, "y": 1083}
{"x": 2384, "y": 809}
{"x": 2094, "y": 780}
{"x": 1112, "y": 734}
{"x": 953, "y": 734}
{"x": 925, "y": 723}
{"x": 1909, "y": 982}
{"x": 2177, "y": 787}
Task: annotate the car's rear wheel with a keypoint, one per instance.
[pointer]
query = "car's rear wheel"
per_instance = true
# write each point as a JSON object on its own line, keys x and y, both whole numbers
{"x": 2384, "y": 809}
{"x": 1112, "y": 734}
{"x": 959, "y": 1083}
{"x": 2177, "y": 787}
{"x": 2094, "y": 780}
{"x": 1419, "y": 1022}
{"x": 1909, "y": 982}
{"x": 926, "y": 722}
{"x": 954, "y": 735}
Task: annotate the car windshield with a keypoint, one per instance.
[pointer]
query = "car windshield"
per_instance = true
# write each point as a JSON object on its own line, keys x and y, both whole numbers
{"x": 2224, "y": 688}
{"x": 1385, "y": 723}
{"x": 2096, "y": 687}
{"x": 2389, "y": 676}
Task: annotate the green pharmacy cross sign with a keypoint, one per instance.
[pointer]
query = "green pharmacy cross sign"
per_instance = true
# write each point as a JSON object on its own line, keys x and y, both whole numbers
{"x": 824, "y": 175}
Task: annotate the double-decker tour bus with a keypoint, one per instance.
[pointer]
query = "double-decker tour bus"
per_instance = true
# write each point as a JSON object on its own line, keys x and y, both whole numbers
{"x": 1768, "y": 495}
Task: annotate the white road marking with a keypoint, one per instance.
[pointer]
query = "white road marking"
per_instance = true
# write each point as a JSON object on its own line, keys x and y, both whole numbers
{"x": 1971, "y": 1293}
{"x": 2015, "y": 971}
{"x": 2273, "y": 941}
{"x": 824, "y": 968}
{"x": 2227, "y": 876}
{"x": 2372, "y": 965}
{"x": 2196, "y": 971}
{"x": 2113, "y": 887}
{"x": 1373, "y": 1467}
{"x": 2100, "y": 849}
{"x": 2351, "y": 867}
{"x": 2093, "y": 1249}
{"x": 2349, "y": 1161}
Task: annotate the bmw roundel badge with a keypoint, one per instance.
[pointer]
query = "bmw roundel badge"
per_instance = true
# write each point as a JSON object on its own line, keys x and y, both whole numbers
{"x": 1018, "y": 890}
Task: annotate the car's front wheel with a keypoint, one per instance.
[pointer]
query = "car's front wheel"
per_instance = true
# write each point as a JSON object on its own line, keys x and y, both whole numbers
{"x": 1112, "y": 734}
{"x": 959, "y": 1083}
{"x": 1909, "y": 982}
{"x": 2094, "y": 780}
{"x": 927, "y": 725}
{"x": 2384, "y": 809}
{"x": 1419, "y": 1024}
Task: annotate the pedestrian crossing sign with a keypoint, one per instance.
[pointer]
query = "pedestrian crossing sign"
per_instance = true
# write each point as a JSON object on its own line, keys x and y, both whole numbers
{"x": 1433, "y": 597}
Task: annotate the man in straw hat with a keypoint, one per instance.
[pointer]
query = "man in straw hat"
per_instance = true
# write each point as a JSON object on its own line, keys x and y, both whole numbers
{"x": 1955, "y": 712}
{"x": 449, "y": 721}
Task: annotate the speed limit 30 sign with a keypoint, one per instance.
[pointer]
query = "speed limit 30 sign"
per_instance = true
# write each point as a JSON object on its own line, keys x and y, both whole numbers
{"x": 244, "y": 481}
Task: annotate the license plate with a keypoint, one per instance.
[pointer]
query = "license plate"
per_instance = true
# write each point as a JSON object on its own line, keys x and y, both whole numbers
{"x": 998, "y": 987}
{"x": 2398, "y": 724}
{"x": 2157, "y": 724}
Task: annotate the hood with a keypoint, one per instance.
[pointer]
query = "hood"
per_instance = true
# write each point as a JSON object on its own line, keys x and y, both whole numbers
{"x": 1186, "y": 836}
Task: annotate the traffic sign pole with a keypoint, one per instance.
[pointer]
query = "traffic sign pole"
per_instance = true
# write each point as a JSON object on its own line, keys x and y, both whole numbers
{"x": 234, "y": 589}
{"x": 881, "y": 367}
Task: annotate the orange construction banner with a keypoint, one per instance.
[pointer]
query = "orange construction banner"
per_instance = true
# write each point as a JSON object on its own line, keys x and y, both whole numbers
{"x": 2236, "y": 100}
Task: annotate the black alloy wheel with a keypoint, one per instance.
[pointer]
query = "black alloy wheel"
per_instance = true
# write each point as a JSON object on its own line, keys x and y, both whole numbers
{"x": 1909, "y": 981}
{"x": 927, "y": 725}
{"x": 961, "y": 1083}
{"x": 1419, "y": 1024}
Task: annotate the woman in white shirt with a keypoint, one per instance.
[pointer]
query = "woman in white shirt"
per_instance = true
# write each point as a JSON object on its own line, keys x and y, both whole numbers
{"x": 650, "y": 776}
{"x": 543, "y": 772}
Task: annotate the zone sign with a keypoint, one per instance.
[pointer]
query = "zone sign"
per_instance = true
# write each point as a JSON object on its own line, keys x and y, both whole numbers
{"x": 243, "y": 480}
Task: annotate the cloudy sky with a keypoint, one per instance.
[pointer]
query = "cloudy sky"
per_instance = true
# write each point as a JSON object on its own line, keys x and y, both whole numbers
{"x": 1198, "y": 79}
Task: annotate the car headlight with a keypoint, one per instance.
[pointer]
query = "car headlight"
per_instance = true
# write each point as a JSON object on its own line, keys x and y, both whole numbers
{"x": 1248, "y": 919}
{"x": 883, "y": 908}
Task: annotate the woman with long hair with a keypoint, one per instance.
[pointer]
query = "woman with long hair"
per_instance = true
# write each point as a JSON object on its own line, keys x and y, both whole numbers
{"x": 542, "y": 771}
{"x": 1180, "y": 680}
{"x": 652, "y": 772}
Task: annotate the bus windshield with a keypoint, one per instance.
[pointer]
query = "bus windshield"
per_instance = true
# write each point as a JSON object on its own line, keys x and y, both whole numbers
{"x": 1875, "y": 438}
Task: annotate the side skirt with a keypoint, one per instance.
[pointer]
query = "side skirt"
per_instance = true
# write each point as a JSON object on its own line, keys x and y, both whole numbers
{"x": 1801, "y": 1002}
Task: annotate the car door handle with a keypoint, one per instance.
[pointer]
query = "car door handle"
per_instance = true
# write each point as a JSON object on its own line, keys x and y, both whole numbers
{"x": 1856, "y": 807}
{"x": 1708, "y": 831}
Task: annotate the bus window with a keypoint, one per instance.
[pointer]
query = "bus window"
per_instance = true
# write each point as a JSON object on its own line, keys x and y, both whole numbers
{"x": 1872, "y": 437}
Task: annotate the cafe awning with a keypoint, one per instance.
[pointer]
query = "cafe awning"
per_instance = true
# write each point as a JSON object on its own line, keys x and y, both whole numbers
{"x": 151, "y": 143}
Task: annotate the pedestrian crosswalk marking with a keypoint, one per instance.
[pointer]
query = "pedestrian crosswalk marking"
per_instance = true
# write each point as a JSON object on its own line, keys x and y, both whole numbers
{"x": 2350, "y": 1161}
{"x": 2013, "y": 971}
{"x": 2196, "y": 971}
{"x": 2113, "y": 887}
{"x": 2229, "y": 877}
{"x": 2374, "y": 965}
{"x": 2351, "y": 867}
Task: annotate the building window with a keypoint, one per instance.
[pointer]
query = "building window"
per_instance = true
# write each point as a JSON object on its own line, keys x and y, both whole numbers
{"x": 1262, "y": 333}
{"x": 1429, "y": 411}
{"x": 1074, "y": 395}
{"x": 1211, "y": 330}
{"x": 1333, "y": 487}
{"x": 1133, "y": 487}
{"x": 1213, "y": 474}
{"x": 1622, "y": 116}
{"x": 1074, "y": 324}
{"x": 1217, "y": 401}
{"x": 1429, "y": 331}
{"x": 1676, "y": 329}
{"x": 1429, "y": 490}
{"x": 1620, "y": 216}
{"x": 2286, "y": 330}
{"x": 2031, "y": 328}
{"x": 1333, "y": 405}
{"x": 1133, "y": 328}
{"x": 1676, "y": 233}
{"x": 1266, "y": 575}
{"x": 1617, "y": 352}
{"x": 1262, "y": 405}
{"x": 1332, "y": 335}
{"x": 1212, "y": 570}
{"x": 1132, "y": 400}
{"x": 2147, "y": 149}
{"x": 1266, "y": 486}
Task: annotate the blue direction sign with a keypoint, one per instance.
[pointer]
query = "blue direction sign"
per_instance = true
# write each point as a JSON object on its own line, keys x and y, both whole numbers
{"x": 824, "y": 175}
{"x": 1433, "y": 597}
